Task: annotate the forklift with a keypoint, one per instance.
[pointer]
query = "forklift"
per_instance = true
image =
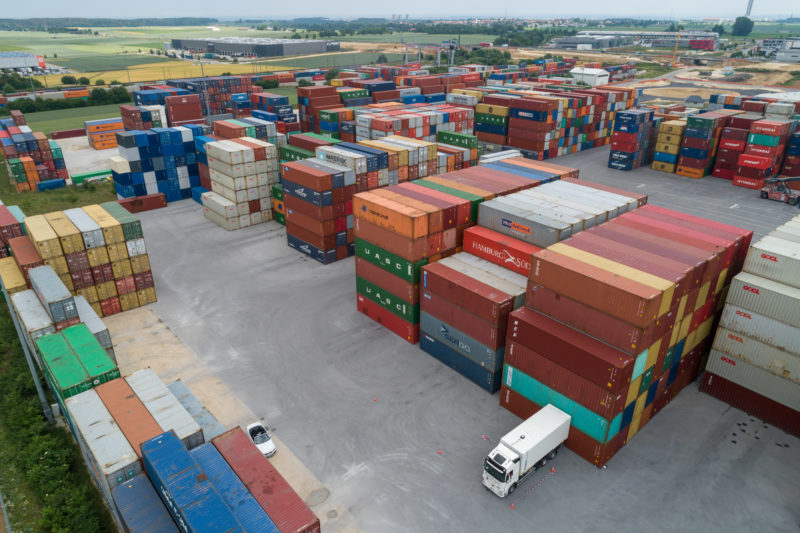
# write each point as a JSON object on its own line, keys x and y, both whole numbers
{"x": 779, "y": 189}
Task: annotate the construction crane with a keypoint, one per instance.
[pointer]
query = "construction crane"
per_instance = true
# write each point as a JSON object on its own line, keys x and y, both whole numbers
{"x": 749, "y": 8}
{"x": 675, "y": 51}
{"x": 779, "y": 189}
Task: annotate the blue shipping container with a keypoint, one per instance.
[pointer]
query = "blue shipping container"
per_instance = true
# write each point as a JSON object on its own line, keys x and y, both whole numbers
{"x": 140, "y": 508}
{"x": 185, "y": 490}
{"x": 488, "y": 380}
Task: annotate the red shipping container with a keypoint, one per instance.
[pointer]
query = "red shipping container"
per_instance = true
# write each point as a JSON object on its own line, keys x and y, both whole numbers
{"x": 486, "y": 333}
{"x": 770, "y": 152}
{"x": 82, "y": 279}
{"x": 471, "y": 295}
{"x": 386, "y": 280}
{"x": 25, "y": 255}
{"x": 749, "y": 183}
{"x": 125, "y": 285}
{"x": 110, "y": 307}
{"x": 500, "y": 249}
{"x": 102, "y": 273}
{"x": 9, "y": 225}
{"x": 144, "y": 203}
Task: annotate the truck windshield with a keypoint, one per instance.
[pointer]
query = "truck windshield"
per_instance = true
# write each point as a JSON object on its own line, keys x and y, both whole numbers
{"x": 497, "y": 472}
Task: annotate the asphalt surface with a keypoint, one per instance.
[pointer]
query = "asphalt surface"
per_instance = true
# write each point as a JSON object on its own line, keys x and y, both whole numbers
{"x": 399, "y": 438}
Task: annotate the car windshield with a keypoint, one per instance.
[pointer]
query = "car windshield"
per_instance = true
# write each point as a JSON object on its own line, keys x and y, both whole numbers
{"x": 261, "y": 438}
{"x": 497, "y": 472}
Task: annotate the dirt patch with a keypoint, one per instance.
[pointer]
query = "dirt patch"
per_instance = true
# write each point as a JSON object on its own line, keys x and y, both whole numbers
{"x": 684, "y": 92}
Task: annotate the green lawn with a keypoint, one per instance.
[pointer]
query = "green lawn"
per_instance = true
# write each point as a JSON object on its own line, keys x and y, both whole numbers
{"x": 108, "y": 62}
{"x": 421, "y": 38}
{"x": 37, "y": 203}
{"x": 332, "y": 60}
{"x": 69, "y": 119}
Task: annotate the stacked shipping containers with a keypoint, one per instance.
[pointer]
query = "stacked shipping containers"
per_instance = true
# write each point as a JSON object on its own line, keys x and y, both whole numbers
{"x": 700, "y": 142}
{"x": 732, "y": 144}
{"x": 102, "y": 133}
{"x": 143, "y": 117}
{"x": 183, "y": 110}
{"x": 668, "y": 145}
{"x": 791, "y": 164}
{"x": 633, "y": 140}
{"x": 755, "y": 360}
{"x": 763, "y": 155}
{"x": 34, "y": 161}
{"x": 618, "y": 320}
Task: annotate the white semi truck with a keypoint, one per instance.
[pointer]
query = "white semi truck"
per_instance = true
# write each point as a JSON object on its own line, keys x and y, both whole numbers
{"x": 524, "y": 449}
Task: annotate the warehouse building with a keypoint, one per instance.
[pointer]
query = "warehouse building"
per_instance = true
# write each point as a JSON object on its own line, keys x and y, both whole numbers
{"x": 255, "y": 47}
{"x": 591, "y": 42}
{"x": 692, "y": 40}
{"x": 19, "y": 61}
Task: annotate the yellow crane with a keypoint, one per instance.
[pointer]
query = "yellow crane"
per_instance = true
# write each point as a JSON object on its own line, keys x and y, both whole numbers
{"x": 675, "y": 51}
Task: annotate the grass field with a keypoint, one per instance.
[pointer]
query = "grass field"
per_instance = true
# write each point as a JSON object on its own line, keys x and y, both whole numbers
{"x": 108, "y": 62}
{"x": 332, "y": 60}
{"x": 69, "y": 119}
{"x": 421, "y": 38}
{"x": 761, "y": 30}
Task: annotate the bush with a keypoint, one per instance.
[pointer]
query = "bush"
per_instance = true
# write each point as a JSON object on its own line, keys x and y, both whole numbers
{"x": 83, "y": 80}
{"x": 268, "y": 84}
{"x": 304, "y": 83}
{"x": 99, "y": 81}
{"x": 8, "y": 88}
{"x": 69, "y": 80}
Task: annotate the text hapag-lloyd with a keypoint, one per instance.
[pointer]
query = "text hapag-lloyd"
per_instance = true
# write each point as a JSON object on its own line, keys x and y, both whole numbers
{"x": 503, "y": 255}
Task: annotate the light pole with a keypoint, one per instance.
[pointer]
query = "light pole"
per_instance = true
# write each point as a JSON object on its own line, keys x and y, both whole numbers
{"x": 205, "y": 90}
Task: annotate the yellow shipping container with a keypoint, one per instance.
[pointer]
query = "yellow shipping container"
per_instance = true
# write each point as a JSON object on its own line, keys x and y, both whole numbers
{"x": 129, "y": 301}
{"x": 499, "y": 110}
{"x": 669, "y": 138}
{"x": 117, "y": 252}
{"x": 106, "y": 290}
{"x": 140, "y": 263}
{"x": 112, "y": 229}
{"x": 122, "y": 268}
{"x": 673, "y": 149}
{"x": 98, "y": 256}
{"x": 97, "y": 308}
{"x": 146, "y": 296}
{"x": 66, "y": 279}
{"x": 469, "y": 92}
{"x": 58, "y": 264}
{"x": 12, "y": 277}
{"x": 664, "y": 167}
{"x": 43, "y": 237}
{"x": 68, "y": 235}
{"x": 672, "y": 126}
{"x": 90, "y": 293}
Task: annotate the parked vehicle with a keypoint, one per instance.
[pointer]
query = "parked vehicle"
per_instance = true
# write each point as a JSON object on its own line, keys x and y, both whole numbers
{"x": 524, "y": 449}
{"x": 262, "y": 439}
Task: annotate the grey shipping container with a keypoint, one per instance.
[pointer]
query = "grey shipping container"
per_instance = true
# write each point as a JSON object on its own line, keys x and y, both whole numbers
{"x": 35, "y": 320}
{"x": 756, "y": 379}
{"x": 522, "y": 224}
{"x": 784, "y": 336}
{"x": 465, "y": 345}
{"x": 757, "y": 353}
{"x": 88, "y": 316}
{"x": 211, "y": 426}
{"x": 111, "y": 457}
{"x": 776, "y": 259}
{"x": 54, "y": 295}
{"x": 165, "y": 408}
{"x": 765, "y": 297}
{"x": 91, "y": 232}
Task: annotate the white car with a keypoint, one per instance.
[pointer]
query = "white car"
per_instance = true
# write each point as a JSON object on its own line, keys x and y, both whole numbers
{"x": 262, "y": 439}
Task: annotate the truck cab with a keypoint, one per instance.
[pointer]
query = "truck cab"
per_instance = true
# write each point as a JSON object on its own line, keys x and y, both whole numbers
{"x": 527, "y": 447}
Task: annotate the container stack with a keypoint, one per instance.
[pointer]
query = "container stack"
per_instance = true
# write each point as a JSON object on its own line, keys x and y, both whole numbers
{"x": 34, "y": 321}
{"x": 491, "y": 123}
{"x": 216, "y": 93}
{"x": 156, "y": 94}
{"x": 47, "y": 245}
{"x": 632, "y": 141}
{"x": 791, "y": 164}
{"x": 273, "y": 107}
{"x": 699, "y": 145}
{"x": 618, "y": 319}
{"x": 732, "y": 144}
{"x": 102, "y": 133}
{"x": 10, "y": 227}
{"x": 753, "y": 363}
{"x": 242, "y": 172}
{"x": 160, "y": 160}
{"x": 183, "y": 110}
{"x": 318, "y": 201}
{"x": 34, "y": 161}
{"x": 143, "y": 117}
{"x": 763, "y": 156}
{"x": 668, "y": 145}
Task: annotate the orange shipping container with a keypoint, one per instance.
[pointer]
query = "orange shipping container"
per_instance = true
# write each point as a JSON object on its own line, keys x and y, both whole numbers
{"x": 128, "y": 411}
{"x": 388, "y": 214}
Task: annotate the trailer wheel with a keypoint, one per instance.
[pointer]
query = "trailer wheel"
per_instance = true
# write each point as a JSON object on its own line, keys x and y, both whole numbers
{"x": 764, "y": 194}
{"x": 552, "y": 454}
{"x": 544, "y": 460}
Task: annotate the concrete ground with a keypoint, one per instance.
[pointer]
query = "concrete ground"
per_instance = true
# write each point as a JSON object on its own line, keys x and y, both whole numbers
{"x": 80, "y": 157}
{"x": 398, "y": 438}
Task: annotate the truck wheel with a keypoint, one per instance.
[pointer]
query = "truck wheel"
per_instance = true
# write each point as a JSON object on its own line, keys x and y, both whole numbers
{"x": 764, "y": 194}
{"x": 544, "y": 460}
{"x": 552, "y": 454}
{"x": 512, "y": 488}
{"x": 793, "y": 201}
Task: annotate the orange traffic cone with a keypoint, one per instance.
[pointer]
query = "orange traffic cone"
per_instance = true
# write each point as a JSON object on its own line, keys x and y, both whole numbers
{"x": 553, "y": 470}
{"x": 511, "y": 506}
{"x": 439, "y": 451}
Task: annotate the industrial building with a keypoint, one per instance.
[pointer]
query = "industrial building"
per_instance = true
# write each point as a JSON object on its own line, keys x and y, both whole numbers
{"x": 692, "y": 40}
{"x": 255, "y": 47}
{"x": 20, "y": 60}
{"x": 591, "y": 42}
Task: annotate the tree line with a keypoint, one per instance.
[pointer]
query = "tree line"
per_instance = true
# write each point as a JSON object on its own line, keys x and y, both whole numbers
{"x": 58, "y": 25}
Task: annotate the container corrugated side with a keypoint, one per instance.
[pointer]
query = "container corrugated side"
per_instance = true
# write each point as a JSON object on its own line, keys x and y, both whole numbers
{"x": 92, "y": 233}
{"x": 12, "y": 277}
{"x": 184, "y": 488}
{"x": 211, "y": 426}
{"x": 765, "y": 297}
{"x": 88, "y": 316}
{"x": 53, "y": 294}
{"x": 100, "y": 367}
{"x": 113, "y": 457}
{"x": 65, "y": 373}
{"x": 43, "y": 237}
{"x": 521, "y": 224}
{"x": 765, "y": 383}
{"x": 266, "y": 484}
{"x": 776, "y": 259}
{"x": 130, "y": 414}
{"x": 140, "y": 508}
{"x": 233, "y": 492}
{"x": 772, "y": 359}
{"x": 131, "y": 226}
{"x": 762, "y": 328}
{"x": 35, "y": 320}
{"x": 165, "y": 408}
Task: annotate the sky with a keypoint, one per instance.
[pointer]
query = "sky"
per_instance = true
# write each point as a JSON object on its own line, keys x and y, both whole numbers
{"x": 414, "y": 8}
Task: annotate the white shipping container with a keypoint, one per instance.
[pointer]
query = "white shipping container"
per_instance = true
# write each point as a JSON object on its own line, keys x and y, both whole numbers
{"x": 235, "y": 171}
{"x": 112, "y": 459}
{"x": 757, "y": 353}
{"x": 730, "y": 367}
{"x": 776, "y": 259}
{"x": 224, "y": 152}
{"x": 351, "y": 160}
{"x": 165, "y": 408}
{"x": 218, "y": 204}
{"x": 34, "y": 320}
{"x": 768, "y": 330}
{"x": 119, "y": 164}
{"x": 765, "y": 297}
{"x": 227, "y": 180}
{"x": 88, "y": 316}
{"x": 229, "y": 224}
{"x": 91, "y": 232}
{"x": 136, "y": 247}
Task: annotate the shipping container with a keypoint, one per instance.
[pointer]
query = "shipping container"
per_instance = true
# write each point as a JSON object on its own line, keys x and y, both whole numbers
{"x": 88, "y": 316}
{"x": 68, "y": 235}
{"x": 140, "y": 509}
{"x": 165, "y": 408}
{"x": 131, "y": 226}
{"x": 211, "y": 427}
{"x": 775, "y": 259}
{"x": 768, "y": 384}
{"x": 12, "y": 277}
{"x": 130, "y": 414}
{"x": 53, "y": 294}
{"x": 760, "y": 354}
{"x": 90, "y": 231}
{"x": 232, "y": 491}
{"x": 286, "y": 509}
{"x": 780, "y": 334}
{"x": 100, "y": 367}
{"x": 765, "y": 297}
{"x": 184, "y": 488}
{"x": 44, "y": 239}
{"x": 34, "y": 320}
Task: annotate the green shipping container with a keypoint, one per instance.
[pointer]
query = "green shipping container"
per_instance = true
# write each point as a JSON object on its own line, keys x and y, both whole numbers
{"x": 321, "y": 137}
{"x": 405, "y": 310}
{"x": 91, "y": 354}
{"x": 763, "y": 140}
{"x": 277, "y": 192}
{"x": 293, "y": 153}
{"x": 65, "y": 373}
{"x": 647, "y": 378}
{"x": 457, "y": 139}
{"x": 699, "y": 121}
{"x": 280, "y": 218}
{"x": 485, "y": 118}
{"x": 249, "y": 129}
{"x": 474, "y": 199}
{"x": 402, "y": 268}
{"x": 594, "y": 425}
{"x": 329, "y": 116}
{"x": 131, "y": 227}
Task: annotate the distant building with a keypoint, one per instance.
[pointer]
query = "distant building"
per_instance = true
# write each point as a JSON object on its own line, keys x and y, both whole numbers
{"x": 590, "y": 76}
{"x": 19, "y": 60}
{"x": 692, "y": 40}
{"x": 591, "y": 42}
{"x": 774, "y": 45}
{"x": 258, "y": 47}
